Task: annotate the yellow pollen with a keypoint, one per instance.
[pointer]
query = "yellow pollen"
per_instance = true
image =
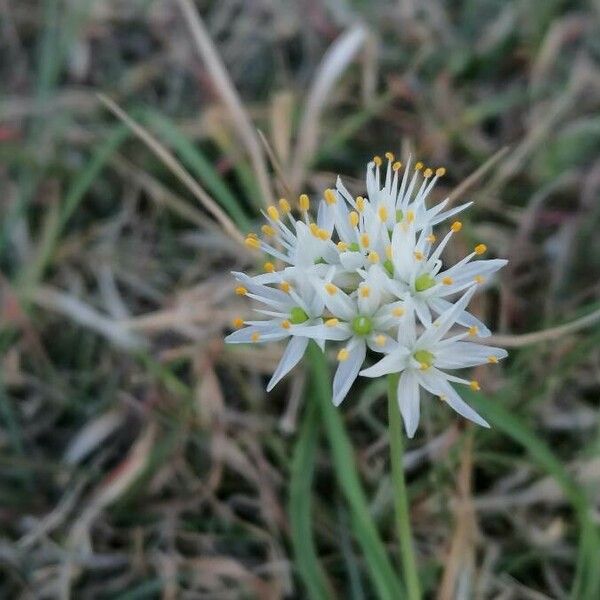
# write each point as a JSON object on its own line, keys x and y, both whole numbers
{"x": 473, "y": 331}
{"x": 343, "y": 355}
{"x": 480, "y": 249}
{"x": 330, "y": 289}
{"x": 474, "y": 385}
{"x": 323, "y": 234}
{"x": 478, "y": 279}
{"x": 410, "y": 216}
{"x": 267, "y": 230}
{"x": 440, "y": 172}
{"x": 373, "y": 257}
{"x": 360, "y": 203}
{"x": 284, "y": 205}
{"x": 252, "y": 242}
{"x": 353, "y": 218}
{"x": 380, "y": 340}
{"x": 238, "y": 322}
{"x": 447, "y": 280}
{"x": 383, "y": 213}
{"x": 397, "y": 166}
{"x": 389, "y": 156}
{"x": 286, "y": 324}
{"x": 284, "y": 286}
{"x": 240, "y": 290}
{"x": 269, "y": 267}
{"x": 364, "y": 240}
{"x": 329, "y": 196}
{"x": 342, "y": 246}
{"x": 431, "y": 238}
{"x": 424, "y": 366}
{"x": 304, "y": 202}
{"x": 332, "y": 322}
{"x": 252, "y": 234}
{"x": 314, "y": 229}
{"x": 419, "y": 166}
{"x": 418, "y": 255}
{"x": 427, "y": 173}
{"x": 493, "y": 360}
{"x": 273, "y": 213}
{"x": 388, "y": 251}
{"x": 365, "y": 291}
{"x": 398, "y": 311}
{"x": 377, "y": 160}
{"x": 456, "y": 226}
{"x": 443, "y": 398}
{"x": 255, "y": 336}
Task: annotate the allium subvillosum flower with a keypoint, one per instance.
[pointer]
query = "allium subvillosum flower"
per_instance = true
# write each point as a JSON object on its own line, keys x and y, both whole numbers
{"x": 368, "y": 273}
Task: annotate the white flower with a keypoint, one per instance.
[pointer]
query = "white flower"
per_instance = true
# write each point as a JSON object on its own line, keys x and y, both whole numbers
{"x": 422, "y": 361}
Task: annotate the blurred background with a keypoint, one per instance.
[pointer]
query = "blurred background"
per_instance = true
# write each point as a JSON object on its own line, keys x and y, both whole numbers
{"x": 139, "y": 457}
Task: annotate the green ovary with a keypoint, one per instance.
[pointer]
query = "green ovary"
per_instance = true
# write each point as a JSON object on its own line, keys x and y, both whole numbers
{"x": 354, "y": 247}
{"x": 388, "y": 265}
{"x": 297, "y": 315}
{"x": 424, "y": 282}
{"x": 399, "y": 216}
{"x": 362, "y": 325}
{"x": 424, "y": 357}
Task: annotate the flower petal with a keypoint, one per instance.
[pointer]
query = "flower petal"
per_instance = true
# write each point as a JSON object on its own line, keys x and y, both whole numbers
{"x": 291, "y": 356}
{"x": 348, "y": 369}
{"x": 408, "y": 401}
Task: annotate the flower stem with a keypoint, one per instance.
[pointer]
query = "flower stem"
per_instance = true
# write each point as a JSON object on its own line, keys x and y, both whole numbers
{"x": 401, "y": 503}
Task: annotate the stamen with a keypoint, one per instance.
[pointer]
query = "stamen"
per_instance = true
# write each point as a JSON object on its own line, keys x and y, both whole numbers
{"x": 286, "y": 324}
{"x": 493, "y": 360}
{"x": 397, "y": 166}
{"x": 284, "y": 286}
{"x": 431, "y": 238}
{"x": 252, "y": 242}
{"x": 380, "y": 340}
{"x": 332, "y": 322}
{"x": 440, "y": 172}
{"x": 447, "y": 280}
{"x": 474, "y": 385}
{"x": 269, "y": 267}
{"x": 398, "y": 311}
{"x": 364, "y": 240}
{"x": 255, "y": 336}
{"x": 342, "y": 246}
{"x": 267, "y": 230}
{"x": 329, "y": 196}
{"x": 360, "y": 203}
{"x": 480, "y": 249}
{"x": 388, "y": 251}
{"x": 383, "y": 214}
{"x": 273, "y": 213}
{"x": 373, "y": 257}
{"x": 240, "y": 290}
{"x": 478, "y": 279}
{"x": 418, "y": 255}
{"x": 364, "y": 291}
{"x": 304, "y": 202}
{"x": 284, "y": 205}
{"x": 353, "y": 218}
{"x": 424, "y": 366}
{"x": 389, "y": 156}
{"x": 323, "y": 234}
{"x": 427, "y": 173}
{"x": 238, "y": 323}
{"x": 410, "y": 216}
{"x": 377, "y": 160}
{"x": 343, "y": 355}
{"x": 456, "y": 226}
{"x": 419, "y": 166}
{"x": 443, "y": 397}
{"x": 473, "y": 331}
{"x": 330, "y": 289}
{"x": 314, "y": 229}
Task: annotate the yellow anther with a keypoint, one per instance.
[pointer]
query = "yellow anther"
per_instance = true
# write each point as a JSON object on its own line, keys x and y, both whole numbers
{"x": 364, "y": 291}
{"x": 474, "y": 385}
{"x": 447, "y": 280}
{"x": 343, "y": 355}
{"x": 388, "y": 251}
{"x": 456, "y": 226}
{"x": 252, "y": 242}
{"x": 360, "y": 203}
{"x": 389, "y": 156}
{"x": 238, "y": 323}
{"x": 304, "y": 202}
{"x": 382, "y": 212}
{"x": 284, "y": 286}
{"x": 329, "y": 196}
{"x": 480, "y": 249}
{"x": 269, "y": 267}
{"x": 493, "y": 360}
{"x": 286, "y": 324}
{"x": 419, "y": 166}
{"x": 284, "y": 206}
{"x": 473, "y": 331}
{"x": 410, "y": 216}
{"x": 440, "y": 172}
{"x": 252, "y": 235}
{"x": 364, "y": 240}
{"x": 240, "y": 290}
{"x": 255, "y": 336}
{"x": 397, "y": 166}
{"x": 314, "y": 229}
{"x": 398, "y": 311}
{"x": 353, "y": 218}
{"x": 443, "y": 398}
{"x": 273, "y": 213}
{"x": 424, "y": 366}
{"x": 431, "y": 238}
{"x": 478, "y": 279}
{"x": 373, "y": 257}
{"x": 332, "y": 322}
{"x": 427, "y": 173}
{"x": 342, "y": 246}
{"x": 330, "y": 289}
{"x": 323, "y": 234}
{"x": 377, "y": 160}
{"x": 380, "y": 340}
{"x": 418, "y": 255}
{"x": 267, "y": 230}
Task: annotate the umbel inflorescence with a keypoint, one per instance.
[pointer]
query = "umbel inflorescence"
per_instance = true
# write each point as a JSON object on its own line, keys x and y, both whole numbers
{"x": 368, "y": 273}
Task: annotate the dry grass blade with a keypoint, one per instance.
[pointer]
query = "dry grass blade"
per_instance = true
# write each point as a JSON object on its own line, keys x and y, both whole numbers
{"x": 225, "y": 87}
{"x": 336, "y": 60}
{"x": 175, "y": 167}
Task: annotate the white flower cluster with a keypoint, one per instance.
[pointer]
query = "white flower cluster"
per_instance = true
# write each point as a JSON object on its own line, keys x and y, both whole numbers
{"x": 368, "y": 273}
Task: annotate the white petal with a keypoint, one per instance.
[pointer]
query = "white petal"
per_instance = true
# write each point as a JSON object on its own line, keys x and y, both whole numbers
{"x": 292, "y": 355}
{"x": 459, "y": 405}
{"x": 465, "y": 318}
{"x": 460, "y": 355}
{"x": 394, "y": 362}
{"x": 322, "y": 332}
{"x": 408, "y": 401}
{"x": 347, "y": 371}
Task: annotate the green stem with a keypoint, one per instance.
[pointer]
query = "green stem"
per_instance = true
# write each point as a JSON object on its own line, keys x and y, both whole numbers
{"x": 401, "y": 503}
